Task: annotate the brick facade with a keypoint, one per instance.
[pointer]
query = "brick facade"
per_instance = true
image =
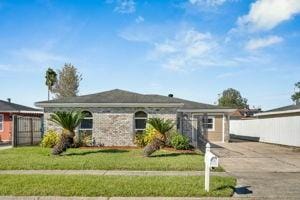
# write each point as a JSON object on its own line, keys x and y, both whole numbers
{"x": 114, "y": 126}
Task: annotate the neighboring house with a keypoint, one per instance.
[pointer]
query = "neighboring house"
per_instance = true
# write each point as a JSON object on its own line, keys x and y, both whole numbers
{"x": 244, "y": 113}
{"x": 115, "y": 116}
{"x": 7, "y": 110}
{"x": 279, "y": 126}
{"x": 286, "y": 111}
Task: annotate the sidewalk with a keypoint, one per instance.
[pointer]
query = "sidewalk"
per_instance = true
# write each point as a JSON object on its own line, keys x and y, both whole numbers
{"x": 114, "y": 198}
{"x": 113, "y": 172}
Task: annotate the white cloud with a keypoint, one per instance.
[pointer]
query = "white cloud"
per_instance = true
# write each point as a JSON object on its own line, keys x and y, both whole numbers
{"x": 125, "y": 6}
{"x": 210, "y": 3}
{"x": 267, "y": 14}
{"x": 188, "y": 49}
{"x": 259, "y": 43}
{"x": 139, "y": 19}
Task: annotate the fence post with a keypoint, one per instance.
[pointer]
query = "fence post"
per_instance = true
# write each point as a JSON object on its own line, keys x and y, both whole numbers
{"x": 15, "y": 131}
{"x": 31, "y": 131}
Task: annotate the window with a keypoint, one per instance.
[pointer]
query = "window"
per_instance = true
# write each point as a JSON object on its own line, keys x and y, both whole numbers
{"x": 86, "y": 125}
{"x": 1, "y": 122}
{"x": 140, "y": 119}
{"x": 208, "y": 123}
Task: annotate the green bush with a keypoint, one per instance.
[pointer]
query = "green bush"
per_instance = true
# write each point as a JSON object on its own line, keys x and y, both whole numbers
{"x": 139, "y": 139}
{"x": 50, "y": 139}
{"x": 180, "y": 142}
{"x": 145, "y": 137}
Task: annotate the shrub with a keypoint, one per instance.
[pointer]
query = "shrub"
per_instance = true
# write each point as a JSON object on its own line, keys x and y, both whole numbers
{"x": 180, "y": 142}
{"x": 139, "y": 139}
{"x": 146, "y": 137}
{"x": 161, "y": 129}
{"x": 83, "y": 140}
{"x": 50, "y": 139}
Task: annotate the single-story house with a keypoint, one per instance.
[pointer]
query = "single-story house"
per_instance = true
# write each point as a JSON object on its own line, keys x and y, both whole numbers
{"x": 7, "y": 110}
{"x": 285, "y": 111}
{"x": 114, "y": 117}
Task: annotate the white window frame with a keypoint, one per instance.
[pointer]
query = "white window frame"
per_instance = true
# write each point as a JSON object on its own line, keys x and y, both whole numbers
{"x": 146, "y": 118}
{"x": 2, "y": 123}
{"x": 213, "y": 123}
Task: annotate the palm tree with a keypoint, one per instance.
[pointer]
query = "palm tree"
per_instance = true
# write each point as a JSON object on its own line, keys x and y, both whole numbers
{"x": 69, "y": 121}
{"x": 51, "y": 79}
{"x": 162, "y": 127}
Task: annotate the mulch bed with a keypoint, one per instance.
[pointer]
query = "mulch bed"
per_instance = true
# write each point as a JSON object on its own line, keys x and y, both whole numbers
{"x": 133, "y": 147}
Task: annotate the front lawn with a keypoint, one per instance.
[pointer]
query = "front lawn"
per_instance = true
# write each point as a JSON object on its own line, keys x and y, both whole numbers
{"x": 89, "y": 185}
{"x": 99, "y": 159}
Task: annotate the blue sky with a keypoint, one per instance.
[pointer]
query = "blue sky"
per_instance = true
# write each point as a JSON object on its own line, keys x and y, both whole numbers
{"x": 192, "y": 48}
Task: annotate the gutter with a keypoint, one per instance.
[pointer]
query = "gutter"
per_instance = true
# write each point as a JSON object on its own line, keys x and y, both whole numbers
{"x": 277, "y": 112}
{"x": 68, "y": 105}
{"x": 22, "y": 111}
{"x": 220, "y": 110}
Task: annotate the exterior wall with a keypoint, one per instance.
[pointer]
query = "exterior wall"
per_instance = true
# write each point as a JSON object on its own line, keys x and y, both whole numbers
{"x": 217, "y": 133}
{"x": 191, "y": 121}
{"x": 113, "y": 126}
{"x": 6, "y": 133}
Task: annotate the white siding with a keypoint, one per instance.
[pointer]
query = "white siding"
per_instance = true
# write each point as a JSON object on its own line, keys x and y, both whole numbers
{"x": 280, "y": 130}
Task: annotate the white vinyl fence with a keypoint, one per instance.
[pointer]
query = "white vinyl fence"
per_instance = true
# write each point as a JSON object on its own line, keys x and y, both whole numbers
{"x": 281, "y": 130}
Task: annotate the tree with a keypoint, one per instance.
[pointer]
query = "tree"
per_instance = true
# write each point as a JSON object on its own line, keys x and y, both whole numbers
{"x": 162, "y": 127}
{"x": 51, "y": 78}
{"x": 68, "y": 121}
{"x": 296, "y": 96}
{"x": 232, "y": 98}
{"x": 68, "y": 82}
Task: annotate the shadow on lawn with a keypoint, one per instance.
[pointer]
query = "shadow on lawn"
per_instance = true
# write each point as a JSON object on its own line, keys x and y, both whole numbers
{"x": 172, "y": 155}
{"x": 98, "y": 151}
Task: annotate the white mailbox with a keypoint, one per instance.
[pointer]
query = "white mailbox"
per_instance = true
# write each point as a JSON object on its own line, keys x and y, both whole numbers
{"x": 211, "y": 159}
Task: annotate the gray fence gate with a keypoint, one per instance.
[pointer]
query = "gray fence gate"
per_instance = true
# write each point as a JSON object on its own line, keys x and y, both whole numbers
{"x": 26, "y": 130}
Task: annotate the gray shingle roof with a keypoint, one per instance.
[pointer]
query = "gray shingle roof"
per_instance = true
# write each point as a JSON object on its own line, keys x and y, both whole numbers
{"x": 12, "y": 107}
{"x": 122, "y": 96}
{"x": 285, "y": 108}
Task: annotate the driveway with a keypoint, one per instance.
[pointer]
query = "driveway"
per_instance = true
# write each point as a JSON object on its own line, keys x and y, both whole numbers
{"x": 262, "y": 170}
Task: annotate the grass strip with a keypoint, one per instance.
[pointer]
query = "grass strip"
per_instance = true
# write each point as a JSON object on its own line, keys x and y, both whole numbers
{"x": 90, "y": 185}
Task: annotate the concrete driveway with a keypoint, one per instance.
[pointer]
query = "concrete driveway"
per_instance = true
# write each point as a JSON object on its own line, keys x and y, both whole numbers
{"x": 262, "y": 170}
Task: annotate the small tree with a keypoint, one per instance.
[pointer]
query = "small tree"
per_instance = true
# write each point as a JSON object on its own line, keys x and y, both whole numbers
{"x": 296, "y": 96}
{"x": 69, "y": 121}
{"x": 68, "y": 82}
{"x": 162, "y": 127}
{"x": 232, "y": 98}
{"x": 51, "y": 78}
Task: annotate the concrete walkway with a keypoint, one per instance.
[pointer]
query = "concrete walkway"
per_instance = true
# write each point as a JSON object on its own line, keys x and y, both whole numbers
{"x": 113, "y": 172}
{"x": 262, "y": 170}
{"x": 2, "y": 146}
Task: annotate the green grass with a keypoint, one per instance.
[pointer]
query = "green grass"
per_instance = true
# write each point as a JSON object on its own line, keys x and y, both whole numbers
{"x": 99, "y": 159}
{"x": 89, "y": 185}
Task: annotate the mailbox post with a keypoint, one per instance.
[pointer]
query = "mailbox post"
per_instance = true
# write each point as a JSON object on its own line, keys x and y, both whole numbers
{"x": 210, "y": 160}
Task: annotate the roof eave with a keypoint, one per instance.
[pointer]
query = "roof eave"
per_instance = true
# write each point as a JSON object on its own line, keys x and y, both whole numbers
{"x": 219, "y": 110}
{"x": 70, "y": 105}
{"x": 21, "y": 111}
{"x": 277, "y": 112}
